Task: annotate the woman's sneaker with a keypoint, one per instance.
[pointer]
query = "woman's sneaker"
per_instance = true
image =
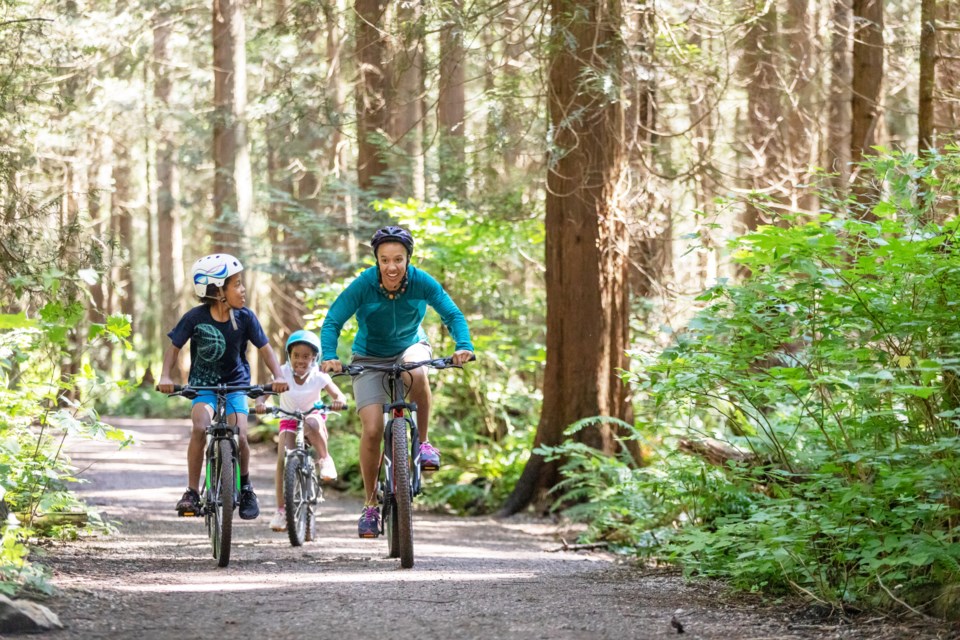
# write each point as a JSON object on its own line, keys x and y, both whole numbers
{"x": 328, "y": 470}
{"x": 369, "y": 525}
{"x": 429, "y": 457}
{"x": 279, "y": 522}
{"x": 189, "y": 504}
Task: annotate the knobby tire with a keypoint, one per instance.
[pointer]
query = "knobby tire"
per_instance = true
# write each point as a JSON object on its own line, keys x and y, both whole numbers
{"x": 296, "y": 496}
{"x": 401, "y": 491}
{"x": 225, "y": 483}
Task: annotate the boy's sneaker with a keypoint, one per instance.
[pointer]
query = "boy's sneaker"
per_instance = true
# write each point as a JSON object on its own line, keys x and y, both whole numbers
{"x": 279, "y": 522}
{"x": 429, "y": 457}
{"x": 328, "y": 470}
{"x": 249, "y": 506}
{"x": 369, "y": 525}
{"x": 189, "y": 504}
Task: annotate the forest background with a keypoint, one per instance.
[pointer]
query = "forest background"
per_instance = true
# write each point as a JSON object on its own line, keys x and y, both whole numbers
{"x": 705, "y": 249}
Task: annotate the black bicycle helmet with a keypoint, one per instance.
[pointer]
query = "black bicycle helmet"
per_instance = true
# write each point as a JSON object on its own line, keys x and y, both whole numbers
{"x": 392, "y": 233}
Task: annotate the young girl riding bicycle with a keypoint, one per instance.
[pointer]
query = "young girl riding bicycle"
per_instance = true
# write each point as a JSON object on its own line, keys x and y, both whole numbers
{"x": 306, "y": 382}
{"x": 219, "y": 331}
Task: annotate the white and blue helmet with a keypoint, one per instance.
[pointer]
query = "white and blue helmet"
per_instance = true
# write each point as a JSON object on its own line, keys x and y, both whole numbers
{"x": 213, "y": 269}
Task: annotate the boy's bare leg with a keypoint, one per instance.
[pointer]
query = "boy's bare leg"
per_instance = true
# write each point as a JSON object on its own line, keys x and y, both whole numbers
{"x": 201, "y": 415}
{"x": 240, "y": 419}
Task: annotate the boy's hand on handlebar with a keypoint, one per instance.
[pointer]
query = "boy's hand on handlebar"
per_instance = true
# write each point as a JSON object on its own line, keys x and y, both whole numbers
{"x": 331, "y": 366}
{"x": 461, "y": 357}
{"x": 165, "y": 385}
{"x": 279, "y": 386}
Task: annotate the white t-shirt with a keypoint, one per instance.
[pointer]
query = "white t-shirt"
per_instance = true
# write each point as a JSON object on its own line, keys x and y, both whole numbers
{"x": 300, "y": 397}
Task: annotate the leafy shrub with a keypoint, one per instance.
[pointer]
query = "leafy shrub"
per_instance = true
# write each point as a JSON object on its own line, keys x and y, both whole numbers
{"x": 833, "y": 367}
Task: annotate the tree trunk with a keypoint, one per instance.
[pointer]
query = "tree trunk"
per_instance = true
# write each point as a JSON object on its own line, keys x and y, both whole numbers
{"x": 451, "y": 104}
{"x": 405, "y": 104}
{"x": 123, "y": 216}
{"x": 867, "y": 75}
{"x": 763, "y": 109}
{"x": 169, "y": 240}
{"x": 803, "y": 128}
{"x": 371, "y": 104}
{"x": 838, "y": 142}
{"x": 928, "y": 52}
{"x": 586, "y": 278}
{"x": 232, "y": 182}
{"x": 338, "y": 156}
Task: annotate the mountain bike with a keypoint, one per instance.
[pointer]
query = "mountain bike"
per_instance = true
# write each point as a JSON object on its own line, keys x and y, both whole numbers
{"x": 400, "y": 474}
{"x": 220, "y": 493}
{"x": 302, "y": 491}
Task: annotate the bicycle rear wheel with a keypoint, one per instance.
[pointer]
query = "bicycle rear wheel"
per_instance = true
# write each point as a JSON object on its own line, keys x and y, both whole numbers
{"x": 296, "y": 496}
{"x": 403, "y": 500}
{"x": 223, "y": 483}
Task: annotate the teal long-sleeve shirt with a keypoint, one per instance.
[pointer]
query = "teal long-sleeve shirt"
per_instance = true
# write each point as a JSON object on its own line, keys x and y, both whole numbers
{"x": 387, "y": 327}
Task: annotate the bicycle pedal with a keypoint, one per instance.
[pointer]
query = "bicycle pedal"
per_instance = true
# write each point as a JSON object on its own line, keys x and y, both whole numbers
{"x": 186, "y": 514}
{"x": 431, "y": 467}
{"x": 369, "y": 536}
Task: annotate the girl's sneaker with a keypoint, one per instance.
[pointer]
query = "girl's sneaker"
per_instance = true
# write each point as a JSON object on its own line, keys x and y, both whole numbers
{"x": 279, "y": 522}
{"x": 328, "y": 470}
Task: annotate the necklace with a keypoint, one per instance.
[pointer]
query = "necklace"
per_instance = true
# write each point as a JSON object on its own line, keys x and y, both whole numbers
{"x": 398, "y": 292}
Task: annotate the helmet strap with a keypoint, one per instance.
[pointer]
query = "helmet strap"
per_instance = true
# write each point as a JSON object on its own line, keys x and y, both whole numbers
{"x": 230, "y": 311}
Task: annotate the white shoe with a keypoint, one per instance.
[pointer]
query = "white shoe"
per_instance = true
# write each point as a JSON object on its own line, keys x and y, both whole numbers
{"x": 279, "y": 522}
{"x": 328, "y": 470}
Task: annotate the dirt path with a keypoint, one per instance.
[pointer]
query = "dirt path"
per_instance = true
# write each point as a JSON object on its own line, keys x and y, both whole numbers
{"x": 473, "y": 578}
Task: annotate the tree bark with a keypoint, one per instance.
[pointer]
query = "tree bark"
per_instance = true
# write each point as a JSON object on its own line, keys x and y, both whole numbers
{"x": 838, "y": 142}
{"x": 867, "y": 75}
{"x": 405, "y": 104}
{"x": 451, "y": 104}
{"x": 763, "y": 109}
{"x": 928, "y": 52}
{"x": 370, "y": 100}
{"x": 586, "y": 278}
{"x": 232, "y": 181}
{"x": 169, "y": 239}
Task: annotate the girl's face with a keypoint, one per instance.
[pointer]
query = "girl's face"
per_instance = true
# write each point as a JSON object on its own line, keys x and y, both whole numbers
{"x": 302, "y": 356}
{"x": 392, "y": 261}
{"x": 235, "y": 292}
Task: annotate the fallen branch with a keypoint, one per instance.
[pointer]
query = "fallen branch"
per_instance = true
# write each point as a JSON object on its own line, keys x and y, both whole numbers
{"x": 578, "y": 547}
{"x": 716, "y": 452}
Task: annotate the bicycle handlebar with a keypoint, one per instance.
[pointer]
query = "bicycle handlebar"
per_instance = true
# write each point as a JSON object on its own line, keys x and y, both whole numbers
{"x": 436, "y": 363}
{"x": 318, "y": 407}
{"x": 252, "y": 391}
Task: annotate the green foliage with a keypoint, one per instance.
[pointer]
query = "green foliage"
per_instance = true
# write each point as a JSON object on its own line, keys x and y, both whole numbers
{"x": 834, "y": 368}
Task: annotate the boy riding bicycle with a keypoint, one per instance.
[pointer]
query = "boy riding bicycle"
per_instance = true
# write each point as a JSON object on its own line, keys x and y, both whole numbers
{"x": 306, "y": 382}
{"x": 218, "y": 331}
{"x": 390, "y": 300}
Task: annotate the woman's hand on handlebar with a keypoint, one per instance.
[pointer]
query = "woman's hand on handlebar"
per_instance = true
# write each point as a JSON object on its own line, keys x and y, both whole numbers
{"x": 331, "y": 366}
{"x": 461, "y": 357}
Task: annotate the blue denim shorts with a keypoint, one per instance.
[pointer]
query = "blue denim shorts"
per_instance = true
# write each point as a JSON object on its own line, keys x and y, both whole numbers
{"x": 236, "y": 402}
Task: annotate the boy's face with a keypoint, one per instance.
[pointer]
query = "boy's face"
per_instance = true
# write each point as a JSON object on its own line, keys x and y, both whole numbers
{"x": 235, "y": 292}
{"x": 302, "y": 357}
{"x": 392, "y": 261}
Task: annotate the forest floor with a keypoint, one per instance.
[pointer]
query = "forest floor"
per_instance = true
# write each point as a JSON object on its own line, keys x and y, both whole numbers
{"x": 473, "y": 578}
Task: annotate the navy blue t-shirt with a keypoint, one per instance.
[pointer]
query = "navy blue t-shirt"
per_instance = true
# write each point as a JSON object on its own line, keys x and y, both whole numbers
{"x": 218, "y": 352}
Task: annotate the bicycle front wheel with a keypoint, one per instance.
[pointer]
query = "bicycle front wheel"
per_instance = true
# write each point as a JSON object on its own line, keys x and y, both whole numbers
{"x": 223, "y": 483}
{"x": 403, "y": 499}
{"x": 296, "y": 495}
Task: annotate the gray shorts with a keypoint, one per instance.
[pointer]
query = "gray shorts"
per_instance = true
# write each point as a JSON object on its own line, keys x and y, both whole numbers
{"x": 372, "y": 387}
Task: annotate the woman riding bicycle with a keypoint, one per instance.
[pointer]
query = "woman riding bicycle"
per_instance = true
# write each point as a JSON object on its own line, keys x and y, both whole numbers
{"x": 390, "y": 301}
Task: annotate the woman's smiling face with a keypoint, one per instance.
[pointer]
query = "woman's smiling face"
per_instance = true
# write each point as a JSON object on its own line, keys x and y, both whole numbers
{"x": 392, "y": 262}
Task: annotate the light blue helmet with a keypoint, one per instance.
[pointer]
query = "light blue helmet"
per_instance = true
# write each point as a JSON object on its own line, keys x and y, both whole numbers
{"x": 305, "y": 337}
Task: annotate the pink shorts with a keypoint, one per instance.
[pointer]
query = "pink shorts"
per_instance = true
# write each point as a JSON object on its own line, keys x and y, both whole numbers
{"x": 289, "y": 424}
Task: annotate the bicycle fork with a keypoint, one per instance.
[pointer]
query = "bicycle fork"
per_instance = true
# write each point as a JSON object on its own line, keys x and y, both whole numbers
{"x": 391, "y": 413}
